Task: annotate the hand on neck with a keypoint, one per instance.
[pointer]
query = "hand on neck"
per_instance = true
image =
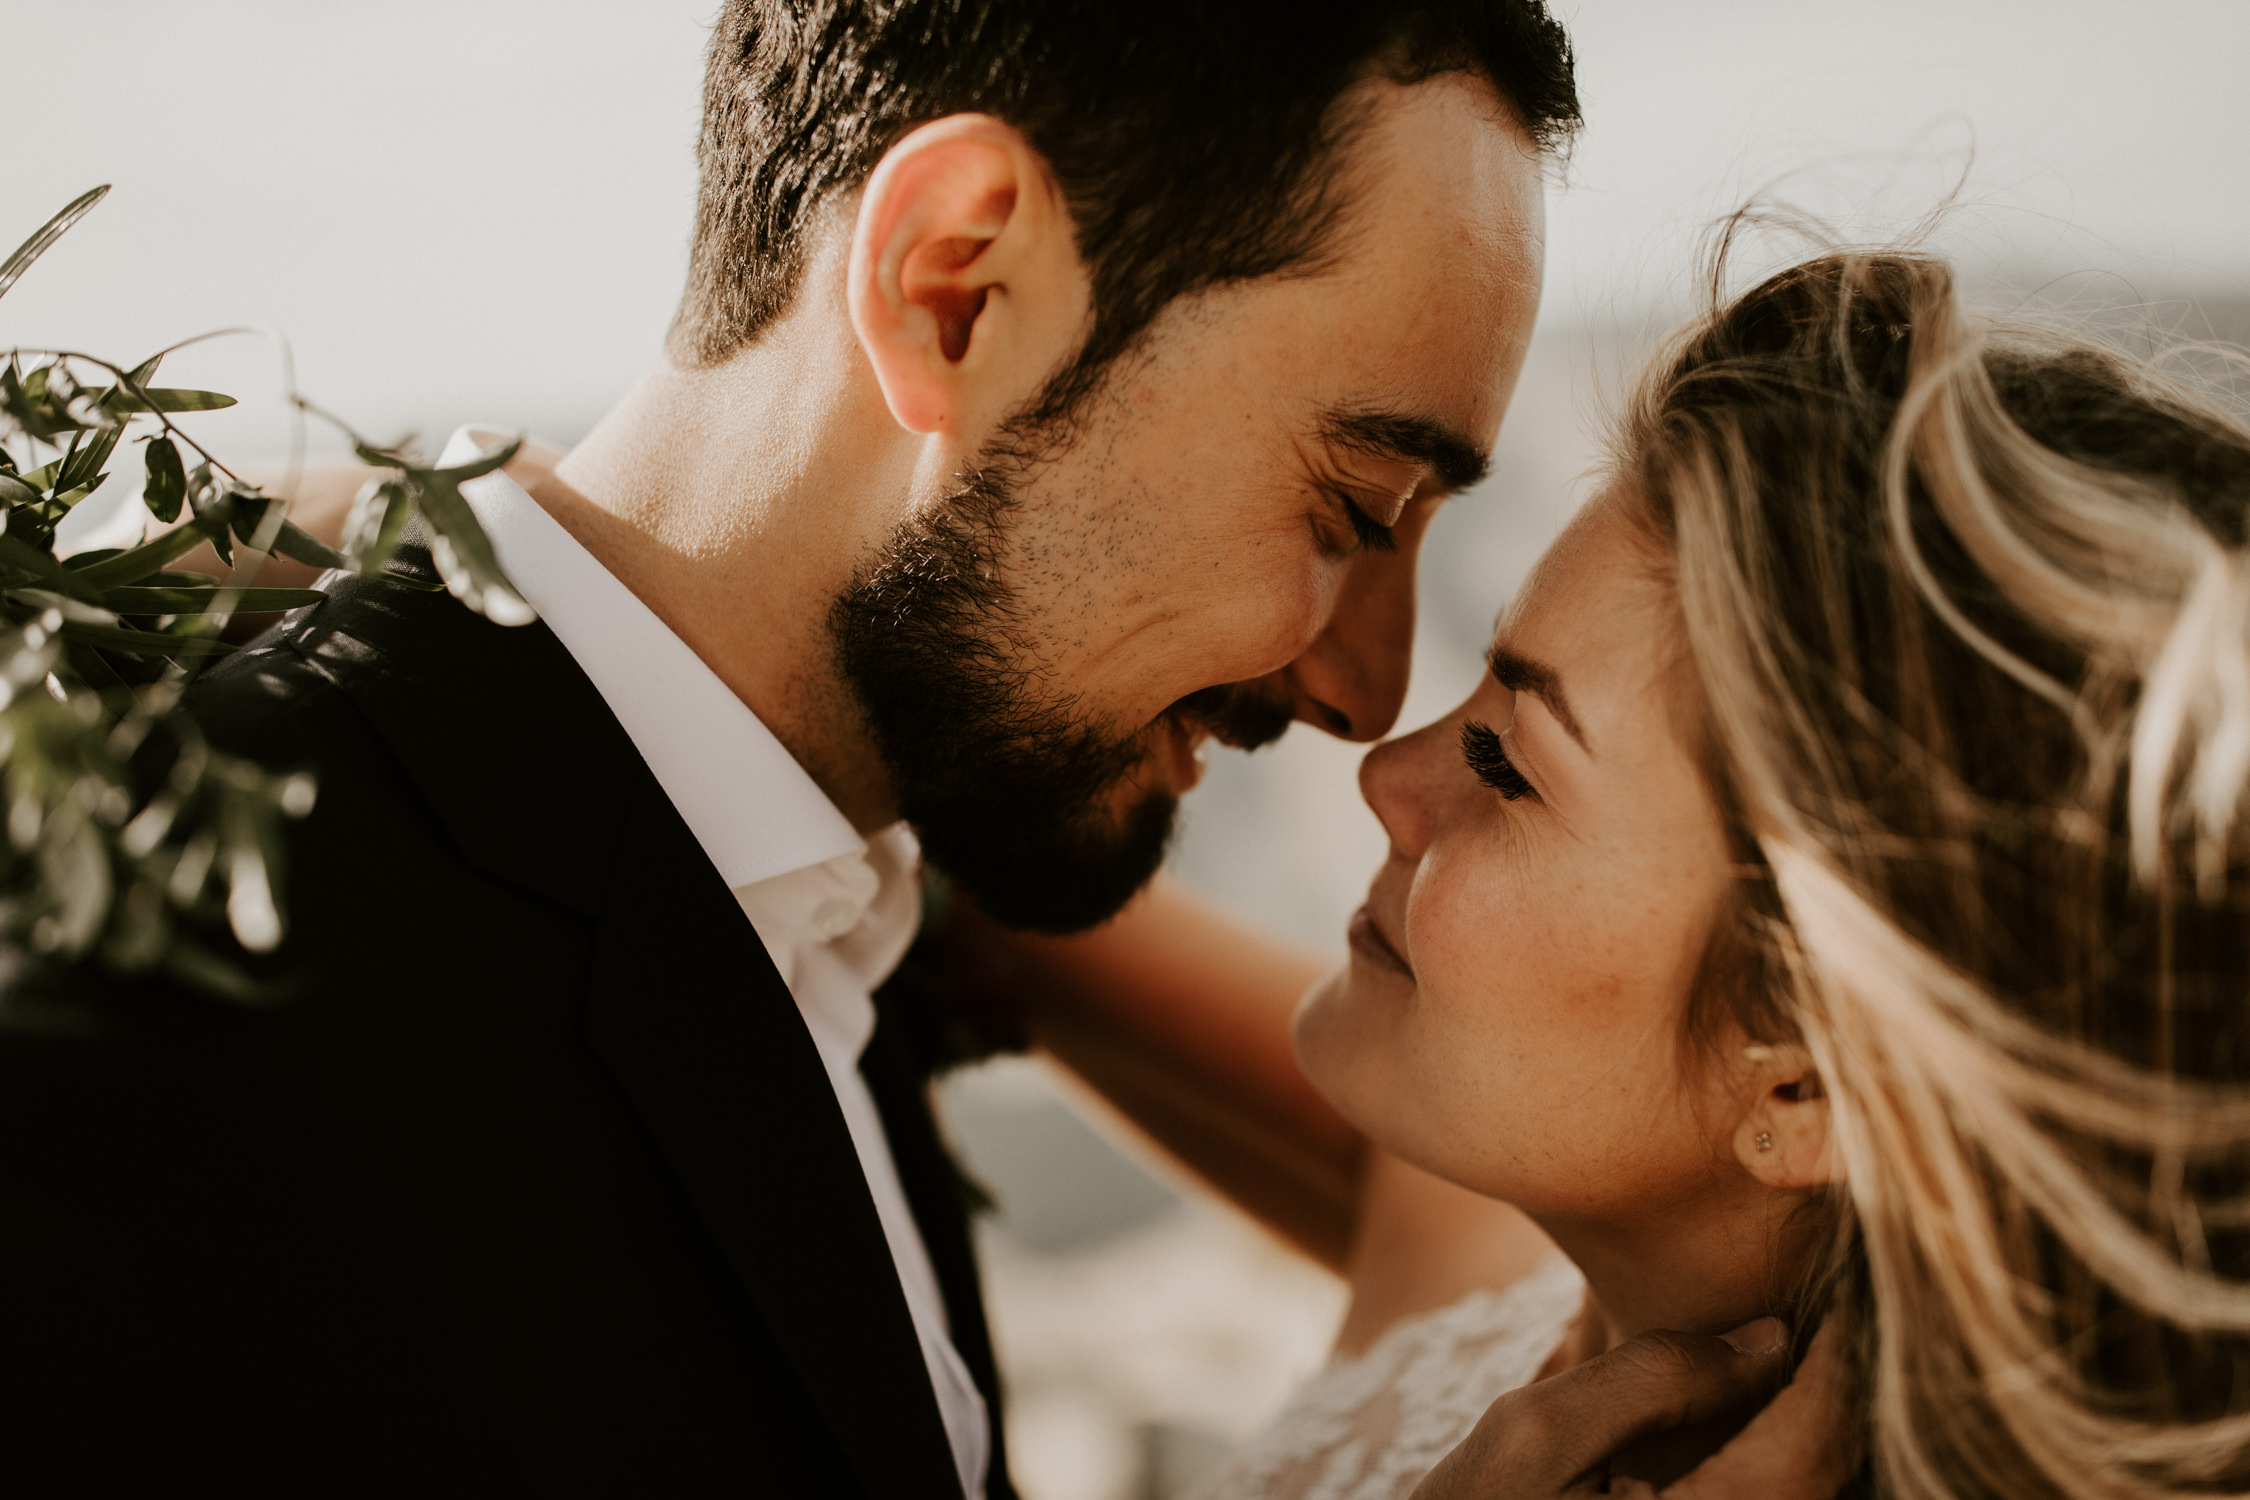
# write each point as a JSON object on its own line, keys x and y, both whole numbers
{"x": 1709, "y": 1269}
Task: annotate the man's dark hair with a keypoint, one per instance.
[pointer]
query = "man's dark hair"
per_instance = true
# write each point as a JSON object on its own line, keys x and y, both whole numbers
{"x": 1196, "y": 141}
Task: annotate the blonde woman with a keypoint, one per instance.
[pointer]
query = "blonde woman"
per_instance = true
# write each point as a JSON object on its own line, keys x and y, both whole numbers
{"x": 1830, "y": 906}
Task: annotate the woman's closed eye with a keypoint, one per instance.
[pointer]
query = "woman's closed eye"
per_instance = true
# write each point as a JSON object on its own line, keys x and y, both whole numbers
{"x": 1486, "y": 756}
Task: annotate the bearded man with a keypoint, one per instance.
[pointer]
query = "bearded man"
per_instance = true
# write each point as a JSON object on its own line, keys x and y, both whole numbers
{"x": 1056, "y": 386}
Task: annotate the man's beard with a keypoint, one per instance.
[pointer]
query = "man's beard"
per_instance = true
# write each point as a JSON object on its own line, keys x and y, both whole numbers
{"x": 1003, "y": 775}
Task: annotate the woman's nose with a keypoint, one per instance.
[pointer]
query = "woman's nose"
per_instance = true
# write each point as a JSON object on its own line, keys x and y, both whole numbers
{"x": 1399, "y": 780}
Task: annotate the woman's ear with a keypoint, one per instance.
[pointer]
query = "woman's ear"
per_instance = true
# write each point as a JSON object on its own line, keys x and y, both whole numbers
{"x": 1783, "y": 1139}
{"x": 965, "y": 285}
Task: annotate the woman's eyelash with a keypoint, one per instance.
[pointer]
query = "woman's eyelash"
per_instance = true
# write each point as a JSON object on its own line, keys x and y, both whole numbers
{"x": 1481, "y": 748}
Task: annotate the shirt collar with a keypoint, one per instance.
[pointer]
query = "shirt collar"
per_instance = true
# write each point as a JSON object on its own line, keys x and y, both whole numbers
{"x": 754, "y": 810}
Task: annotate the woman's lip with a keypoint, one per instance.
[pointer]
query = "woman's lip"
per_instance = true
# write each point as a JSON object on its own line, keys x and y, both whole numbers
{"x": 1366, "y": 935}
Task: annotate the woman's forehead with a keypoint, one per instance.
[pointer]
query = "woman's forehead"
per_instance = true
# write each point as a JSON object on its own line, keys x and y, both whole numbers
{"x": 1602, "y": 625}
{"x": 1593, "y": 608}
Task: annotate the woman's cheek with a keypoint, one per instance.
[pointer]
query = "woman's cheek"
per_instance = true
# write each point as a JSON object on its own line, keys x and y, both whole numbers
{"x": 1469, "y": 938}
{"x": 1466, "y": 912}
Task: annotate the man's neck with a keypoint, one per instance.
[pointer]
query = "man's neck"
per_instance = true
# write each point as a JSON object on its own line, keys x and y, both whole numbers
{"x": 735, "y": 503}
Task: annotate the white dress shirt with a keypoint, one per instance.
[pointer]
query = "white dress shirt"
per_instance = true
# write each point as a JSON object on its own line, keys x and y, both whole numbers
{"x": 835, "y": 911}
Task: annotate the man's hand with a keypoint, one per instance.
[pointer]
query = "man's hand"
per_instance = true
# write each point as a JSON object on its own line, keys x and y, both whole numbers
{"x": 1554, "y": 1440}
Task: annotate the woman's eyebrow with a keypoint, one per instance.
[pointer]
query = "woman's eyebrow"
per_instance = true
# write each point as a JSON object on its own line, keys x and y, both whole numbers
{"x": 1520, "y": 674}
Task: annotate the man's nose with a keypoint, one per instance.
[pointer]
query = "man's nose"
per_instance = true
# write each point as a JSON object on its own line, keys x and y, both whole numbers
{"x": 1351, "y": 680}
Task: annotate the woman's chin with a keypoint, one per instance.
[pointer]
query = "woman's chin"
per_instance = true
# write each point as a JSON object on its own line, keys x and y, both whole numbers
{"x": 1340, "y": 1040}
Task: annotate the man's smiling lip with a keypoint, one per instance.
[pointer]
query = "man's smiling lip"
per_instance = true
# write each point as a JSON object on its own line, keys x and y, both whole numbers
{"x": 1183, "y": 736}
{"x": 1366, "y": 936}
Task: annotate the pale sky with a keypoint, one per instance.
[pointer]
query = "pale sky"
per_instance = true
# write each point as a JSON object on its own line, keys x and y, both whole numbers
{"x": 478, "y": 210}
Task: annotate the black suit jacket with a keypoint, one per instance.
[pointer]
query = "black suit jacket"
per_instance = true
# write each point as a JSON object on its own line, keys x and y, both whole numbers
{"x": 537, "y": 1185}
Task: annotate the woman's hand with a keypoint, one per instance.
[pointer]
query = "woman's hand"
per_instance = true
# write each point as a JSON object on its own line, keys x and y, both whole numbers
{"x": 1556, "y": 1439}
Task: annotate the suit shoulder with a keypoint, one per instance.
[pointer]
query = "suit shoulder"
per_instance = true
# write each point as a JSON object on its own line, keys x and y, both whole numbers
{"x": 258, "y": 702}
{"x": 287, "y": 708}
{"x": 281, "y": 697}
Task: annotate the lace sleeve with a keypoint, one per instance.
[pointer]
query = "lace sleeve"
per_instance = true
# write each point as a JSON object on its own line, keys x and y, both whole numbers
{"x": 1369, "y": 1428}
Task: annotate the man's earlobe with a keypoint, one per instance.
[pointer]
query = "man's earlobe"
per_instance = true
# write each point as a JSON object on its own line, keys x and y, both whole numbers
{"x": 964, "y": 278}
{"x": 1783, "y": 1139}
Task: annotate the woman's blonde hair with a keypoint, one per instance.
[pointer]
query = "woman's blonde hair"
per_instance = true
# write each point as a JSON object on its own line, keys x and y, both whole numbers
{"x": 1969, "y": 609}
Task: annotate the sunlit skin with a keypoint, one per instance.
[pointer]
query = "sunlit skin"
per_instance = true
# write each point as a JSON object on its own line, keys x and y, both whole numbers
{"x": 1511, "y": 1018}
{"x": 1194, "y": 534}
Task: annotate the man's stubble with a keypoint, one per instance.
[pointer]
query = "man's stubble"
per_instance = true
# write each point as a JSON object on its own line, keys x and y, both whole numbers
{"x": 1013, "y": 787}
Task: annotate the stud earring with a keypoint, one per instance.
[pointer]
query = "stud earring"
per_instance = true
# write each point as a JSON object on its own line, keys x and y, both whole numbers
{"x": 1763, "y": 1140}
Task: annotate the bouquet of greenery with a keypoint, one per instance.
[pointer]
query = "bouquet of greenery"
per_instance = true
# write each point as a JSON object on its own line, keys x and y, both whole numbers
{"x": 130, "y": 841}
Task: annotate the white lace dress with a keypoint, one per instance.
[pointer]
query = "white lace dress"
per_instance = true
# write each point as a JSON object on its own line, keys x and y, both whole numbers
{"x": 1369, "y": 1428}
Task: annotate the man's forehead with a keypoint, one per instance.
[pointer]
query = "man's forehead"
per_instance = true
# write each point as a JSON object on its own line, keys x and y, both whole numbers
{"x": 1444, "y": 156}
{"x": 1404, "y": 338}
{"x": 1434, "y": 283}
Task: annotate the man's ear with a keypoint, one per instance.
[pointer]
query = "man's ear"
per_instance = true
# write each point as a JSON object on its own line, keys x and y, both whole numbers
{"x": 1783, "y": 1139}
{"x": 966, "y": 287}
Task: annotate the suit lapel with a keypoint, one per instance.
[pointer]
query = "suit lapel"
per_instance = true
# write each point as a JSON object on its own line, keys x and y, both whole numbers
{"x": 540, "y": 786}
{"x": 714, "y": 1053}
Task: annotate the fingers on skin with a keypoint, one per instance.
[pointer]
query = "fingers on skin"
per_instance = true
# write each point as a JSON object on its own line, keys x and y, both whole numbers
{"x": 1543, "y": 1441}
{"x": 1803, "y": 1446}
{"x": 1654, "y": 1382}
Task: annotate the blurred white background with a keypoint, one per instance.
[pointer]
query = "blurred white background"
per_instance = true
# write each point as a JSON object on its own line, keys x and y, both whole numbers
{"x": 478, "y": 211}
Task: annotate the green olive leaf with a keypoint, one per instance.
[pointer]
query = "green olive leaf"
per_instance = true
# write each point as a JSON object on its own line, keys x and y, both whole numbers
{"x": 163, "y": 398}
{"x": 300, "y": 545}
{"x": 379, "y": 516}
{"x": 463, "y": 554}
{"x": 211, "y": 599}
{"x": 213, "y": 504}
{"x": 54, "y": 229}
{"x": 167, "y": 480}
{"x": 136, "y": 563}
{"x": 144, "y": 642}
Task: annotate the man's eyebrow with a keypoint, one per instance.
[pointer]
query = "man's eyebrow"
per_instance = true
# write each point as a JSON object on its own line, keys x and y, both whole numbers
{"x": 1424, "y": 441}
{"x": 1520, "y": 674}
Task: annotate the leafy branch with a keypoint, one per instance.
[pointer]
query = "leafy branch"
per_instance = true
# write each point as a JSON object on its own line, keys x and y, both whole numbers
{"x": 129, "y": 839}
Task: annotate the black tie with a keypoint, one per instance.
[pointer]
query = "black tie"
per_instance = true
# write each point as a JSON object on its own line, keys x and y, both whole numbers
{"x": 938, "y": 1195}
